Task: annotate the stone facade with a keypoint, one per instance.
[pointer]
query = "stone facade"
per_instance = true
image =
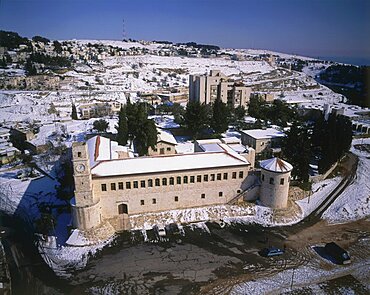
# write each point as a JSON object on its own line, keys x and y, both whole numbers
{"x": 275, "y": 178}
{"x": 207, "y": 88}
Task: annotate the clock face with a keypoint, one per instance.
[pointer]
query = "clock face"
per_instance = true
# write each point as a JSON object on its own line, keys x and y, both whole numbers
{"x": 80, "y": 168}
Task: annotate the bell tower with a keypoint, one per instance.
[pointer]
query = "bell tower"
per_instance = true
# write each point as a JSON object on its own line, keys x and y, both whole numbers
{"x": 86, "y": 209}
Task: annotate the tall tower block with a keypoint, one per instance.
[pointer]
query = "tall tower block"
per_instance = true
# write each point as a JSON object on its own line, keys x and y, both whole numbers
{"x": 275, "y": 178}
{"x": 86, "y": 208}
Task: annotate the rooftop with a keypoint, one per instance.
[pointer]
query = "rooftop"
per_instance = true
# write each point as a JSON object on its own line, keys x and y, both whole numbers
{"x": 276, "y": 165}
{"x": 264, "y": 133}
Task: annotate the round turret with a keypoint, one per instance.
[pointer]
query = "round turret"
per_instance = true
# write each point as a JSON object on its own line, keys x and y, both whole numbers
{"x": 275, "y": 178}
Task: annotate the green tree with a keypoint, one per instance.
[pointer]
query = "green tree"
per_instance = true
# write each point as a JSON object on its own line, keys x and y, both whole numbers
{"x": 146, "y": 137}
{"x": 122, "y": 127}
{"x": 296, "y": 149}
{"x": 196, "y": 118}
{"x": 332, "y": 139}
{"x": 100, "y": 125}
{"x": 30, "y": 68}
{"x": 220, "y": 116}
{"x": 45, "y": 223}
{"x": 74, "y": 112}
{"x": 57, "y": 47}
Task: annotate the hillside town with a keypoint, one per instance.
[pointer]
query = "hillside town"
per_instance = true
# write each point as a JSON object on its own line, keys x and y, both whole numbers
{"x": 106, "y": 144}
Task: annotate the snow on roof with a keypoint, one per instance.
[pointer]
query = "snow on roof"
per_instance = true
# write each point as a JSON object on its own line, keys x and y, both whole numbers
{"x": 166, "y": 136}
{"x": 179, "y": 162}
{"x": 230, "y": 140}
{"x": 99, "y": 148}
{"x": 264, "y": 133}
{"x": 211, "y": 147}
{"x": 208, "y": 141}
{"x": 276, "y": 165}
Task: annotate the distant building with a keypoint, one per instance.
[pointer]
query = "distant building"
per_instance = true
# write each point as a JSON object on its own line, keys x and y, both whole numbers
{"x": 206, "y": 88}
{"x": 98, "y": 109}
{"x": 166, "y": 144}
{"x": 263, "y": 140}
{"x": 268, "y": 97}
{"x": 7, "y": 151}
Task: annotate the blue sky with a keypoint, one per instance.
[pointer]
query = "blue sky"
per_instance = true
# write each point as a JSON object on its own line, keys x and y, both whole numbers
{"x": 309, "y": 27}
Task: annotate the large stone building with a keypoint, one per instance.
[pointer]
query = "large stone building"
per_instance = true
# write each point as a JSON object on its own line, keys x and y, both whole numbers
{"x": 110, "y": 188}
{"x": 206, "y": 88}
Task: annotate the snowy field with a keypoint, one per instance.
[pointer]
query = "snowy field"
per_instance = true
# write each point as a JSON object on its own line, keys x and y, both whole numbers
{"x": 354, "y": 202}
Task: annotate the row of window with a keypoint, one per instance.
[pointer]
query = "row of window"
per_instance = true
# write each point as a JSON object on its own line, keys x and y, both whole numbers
{"x": 176, "y": 198}
{"x": 171, "y": 181}
{"x": 271, "y": 181}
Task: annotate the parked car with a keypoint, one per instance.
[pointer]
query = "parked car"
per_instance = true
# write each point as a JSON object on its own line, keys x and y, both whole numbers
{"x": 338, "y": 253}
{"x": 271, "y": 251}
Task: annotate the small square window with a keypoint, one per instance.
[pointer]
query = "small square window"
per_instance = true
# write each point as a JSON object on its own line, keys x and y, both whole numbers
{"x": 168, "y": 149}
{"x": 176, "y": 199}
{"x": 185, "y": 179}
{"x": 136, "y": 184}
{"x": 150, "y": 182}
{"x": 142, "y": 183}
{"x": 218, "y": 176}
{"x": 241, "y": 174}
{"x": 212, "y": 177}
{"x": 154, "y": 201}
{"x": 192, "y": 179}
{"x": 282, "y": 181}
{"x": 113, "y": 186}
{"x": 104, "y": 187}
{"x": 220, "y": 194}
{"x": 120, "y": 185}
{"x": 203, "y": 196}
{"x": 225, "y": 176}
{"x": 234, "y": 175}
{"x": 79, "y": 154}
{"x": 142, "y": 203}
{"x": 205, "y": 177}
{"x": 199, "y": 178}
{"x": 238, "y": 191}
{"x": 128, "y": 185}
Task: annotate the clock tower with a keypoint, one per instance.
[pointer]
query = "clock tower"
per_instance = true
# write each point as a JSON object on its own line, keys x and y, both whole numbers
{"x": 86, "y": 208}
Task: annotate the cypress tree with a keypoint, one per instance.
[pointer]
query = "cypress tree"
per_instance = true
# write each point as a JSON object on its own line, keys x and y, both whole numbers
{"x": 74, "y": 112}
{"x": 122, "y": 127}
{"x": 221, "y": 115}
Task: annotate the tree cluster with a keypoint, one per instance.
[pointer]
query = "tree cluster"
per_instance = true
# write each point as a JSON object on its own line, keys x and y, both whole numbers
{"x": 201, "y": 118}
{"x": 12, "y": 40}
{"x": 50, "y": 61}
{"x": 279, "y": 112}
{"x": 40, "y": 39}
{"x": 332, "y": 138}
{"x": 134, "y": 125}
{"x": 100, "y": 125}
{"x": 328, "y": 139}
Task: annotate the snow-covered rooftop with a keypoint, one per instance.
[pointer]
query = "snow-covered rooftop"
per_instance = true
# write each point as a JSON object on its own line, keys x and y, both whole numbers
{"x": 166, "y": 136}
{"x": 142, "y": 165}
{"x": 264, "y": 133}
{"x": 276, "y": 165}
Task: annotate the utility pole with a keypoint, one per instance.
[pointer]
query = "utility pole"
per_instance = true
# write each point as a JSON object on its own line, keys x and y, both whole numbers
{"x": 291, "y": 284}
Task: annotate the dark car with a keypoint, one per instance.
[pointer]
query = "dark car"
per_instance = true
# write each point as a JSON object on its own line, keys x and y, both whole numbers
{"x": 338, "y": 253}
{"x": 271, "y": 251}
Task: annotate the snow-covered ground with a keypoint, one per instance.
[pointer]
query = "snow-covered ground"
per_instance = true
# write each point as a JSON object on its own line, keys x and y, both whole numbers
{"x": 354, "y": 202}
